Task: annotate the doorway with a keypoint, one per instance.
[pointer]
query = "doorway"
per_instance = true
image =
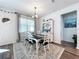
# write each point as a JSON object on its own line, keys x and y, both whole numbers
{"x": 69, "y": 21}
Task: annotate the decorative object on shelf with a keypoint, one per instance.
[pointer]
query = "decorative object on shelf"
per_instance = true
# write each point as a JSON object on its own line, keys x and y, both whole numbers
{"x": 5, "y": 20}
{"x": 7, "y": 11}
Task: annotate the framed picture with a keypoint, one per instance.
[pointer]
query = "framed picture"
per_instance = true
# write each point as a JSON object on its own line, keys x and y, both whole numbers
{"x": 70, "y": 23}
{"x": 70, "y": 19}
{"x": 47, "y": 25}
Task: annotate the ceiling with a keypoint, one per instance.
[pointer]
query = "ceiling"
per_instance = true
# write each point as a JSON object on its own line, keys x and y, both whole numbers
{"x": 26, "y": 7}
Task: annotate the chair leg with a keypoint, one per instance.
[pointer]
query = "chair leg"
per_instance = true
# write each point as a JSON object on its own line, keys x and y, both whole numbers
{"x": 37, "y": 48}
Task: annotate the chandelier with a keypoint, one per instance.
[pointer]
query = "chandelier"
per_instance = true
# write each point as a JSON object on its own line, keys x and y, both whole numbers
{"x": 35, "y": 16}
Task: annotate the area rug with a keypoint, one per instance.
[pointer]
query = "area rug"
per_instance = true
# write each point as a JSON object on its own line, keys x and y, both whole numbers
{"x": 28, "y": 51}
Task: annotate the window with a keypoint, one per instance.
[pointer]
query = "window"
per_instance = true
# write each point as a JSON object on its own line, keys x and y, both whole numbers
{"x": 26, "y": 25}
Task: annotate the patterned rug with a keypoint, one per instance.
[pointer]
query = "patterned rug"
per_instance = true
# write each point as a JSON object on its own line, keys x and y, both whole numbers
{"x": 28, "y": 51}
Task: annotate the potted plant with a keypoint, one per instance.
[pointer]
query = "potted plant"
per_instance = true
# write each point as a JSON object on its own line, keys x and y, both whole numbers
{"x": 75, "y": 39}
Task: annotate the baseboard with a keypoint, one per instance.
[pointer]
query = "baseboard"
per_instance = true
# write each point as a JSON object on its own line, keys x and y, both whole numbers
{"x": 67, "y": 42}
{"x": 77, "y": 47}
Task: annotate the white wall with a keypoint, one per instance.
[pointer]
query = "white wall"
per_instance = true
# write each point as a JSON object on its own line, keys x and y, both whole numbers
{"x": 68, "y": 34}
{"x": 58, "y": 26}
{"x": 8, "y": 30}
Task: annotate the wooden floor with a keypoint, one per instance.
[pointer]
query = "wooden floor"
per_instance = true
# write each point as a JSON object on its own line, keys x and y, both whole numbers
{"x": 67, "y": 55}
{"x": 70, "y": 52}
